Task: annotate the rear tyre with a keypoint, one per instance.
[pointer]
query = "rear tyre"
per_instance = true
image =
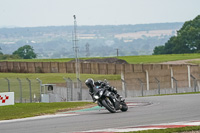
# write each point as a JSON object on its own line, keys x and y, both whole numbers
{"x": 124, "y": 107}
{"x": 108, "y": 105}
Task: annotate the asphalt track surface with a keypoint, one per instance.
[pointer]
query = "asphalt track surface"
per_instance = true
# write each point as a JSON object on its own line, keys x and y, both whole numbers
{"x": 142, "y": 111}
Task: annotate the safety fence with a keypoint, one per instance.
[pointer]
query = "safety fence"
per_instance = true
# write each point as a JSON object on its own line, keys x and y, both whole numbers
{"x": 74, "y": 89}
{"x": 160, "y": 87}
{"x": 33, "y": 90}
{"x": 25, "y": 90}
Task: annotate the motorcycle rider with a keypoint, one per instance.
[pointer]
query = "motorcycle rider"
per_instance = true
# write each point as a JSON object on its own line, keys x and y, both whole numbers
{"x": 92, "y": 85}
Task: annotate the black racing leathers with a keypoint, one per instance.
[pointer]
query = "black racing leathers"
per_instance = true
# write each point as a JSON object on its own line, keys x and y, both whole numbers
{"x": 93, "y": 90}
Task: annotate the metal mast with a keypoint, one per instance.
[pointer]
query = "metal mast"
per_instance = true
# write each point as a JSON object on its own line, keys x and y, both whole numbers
{"x": 87, "y": 49}
{"x": 117, "y": 52}
{"x": 75, "y": 40}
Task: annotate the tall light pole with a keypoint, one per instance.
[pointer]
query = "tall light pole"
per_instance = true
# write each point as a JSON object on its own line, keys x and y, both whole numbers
{"x": 87, "y": 49}
{"x": 75, "y": 40}
{"x": 117, "y": 52}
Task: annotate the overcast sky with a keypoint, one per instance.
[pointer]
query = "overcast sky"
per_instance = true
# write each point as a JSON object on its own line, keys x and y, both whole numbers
{"x": 32, "y": 13}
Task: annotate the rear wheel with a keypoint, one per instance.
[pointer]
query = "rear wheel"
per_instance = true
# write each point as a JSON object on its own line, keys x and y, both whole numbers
{"x": 108, "y": 105}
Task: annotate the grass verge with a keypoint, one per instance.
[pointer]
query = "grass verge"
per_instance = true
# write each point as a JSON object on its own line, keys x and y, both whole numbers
{"x": 195, "y": 62}
{"x": 57, "y": 77}
{"x": 158, "y": 58}
{"x": 130, "y": 59}
{"x": 171, "y": 130}
{"x": 22, "y": 110}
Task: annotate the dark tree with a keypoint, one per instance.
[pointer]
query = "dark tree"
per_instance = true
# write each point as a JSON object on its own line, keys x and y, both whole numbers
{"x": 25, "y": 52}
{"x": 158, "y": 50}
{"x": 187, "y": 40}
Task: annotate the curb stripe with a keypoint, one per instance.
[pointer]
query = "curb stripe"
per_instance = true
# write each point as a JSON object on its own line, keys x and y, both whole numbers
{"x": 150, "y": 127}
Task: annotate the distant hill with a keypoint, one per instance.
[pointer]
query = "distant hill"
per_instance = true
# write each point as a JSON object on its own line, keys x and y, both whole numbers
{"x": 107, "y": 29}
{"x": 56, "y": 41}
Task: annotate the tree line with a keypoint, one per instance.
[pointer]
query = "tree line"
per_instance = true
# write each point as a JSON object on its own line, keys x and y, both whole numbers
{"x": 24, "y": 52}
{"x": 187, "y": 40}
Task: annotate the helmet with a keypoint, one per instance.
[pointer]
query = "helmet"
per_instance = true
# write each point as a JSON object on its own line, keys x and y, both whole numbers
{"x": 89, "y": 83}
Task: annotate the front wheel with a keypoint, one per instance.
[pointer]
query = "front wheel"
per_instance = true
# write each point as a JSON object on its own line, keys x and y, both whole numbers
{"x": 124, "y": 107}
{"x": 108, "y": 105}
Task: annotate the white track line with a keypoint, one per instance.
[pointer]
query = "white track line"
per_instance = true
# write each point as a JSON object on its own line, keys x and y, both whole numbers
{"x": 37, "y": 117}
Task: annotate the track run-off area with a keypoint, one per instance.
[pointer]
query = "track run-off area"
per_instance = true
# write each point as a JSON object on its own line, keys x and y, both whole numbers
{"x": 155, "y": 112}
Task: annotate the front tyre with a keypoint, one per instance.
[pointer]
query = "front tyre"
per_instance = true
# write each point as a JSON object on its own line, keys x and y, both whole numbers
{"x": 124, "y": 107}
{"x": 108, "y": 105}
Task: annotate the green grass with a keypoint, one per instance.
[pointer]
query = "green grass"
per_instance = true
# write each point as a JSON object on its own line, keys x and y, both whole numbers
{"x": 22, "y": 110}
{"x": 56, "y": 77}
{"x": 170, "y": 130}
{"x": 158, "y": 58}
{"x": 130, "y": 59}
{"x": 195, "y": 62}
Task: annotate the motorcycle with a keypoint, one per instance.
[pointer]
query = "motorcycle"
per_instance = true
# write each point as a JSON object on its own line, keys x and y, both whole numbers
{"x": 109, "y": 100}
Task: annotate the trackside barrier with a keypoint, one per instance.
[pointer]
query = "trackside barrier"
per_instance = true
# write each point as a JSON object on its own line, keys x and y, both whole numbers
{"x": 194, "y": 82}
{"x": 142, "y": 86}
{"x": 69, "y": 86}
{"x": 79, "y": 86}
{"x": 25, "y": 90}
{"x": 176, "y": 82}
{"x": 8, "y": 84}
{"x": 158, "y": 83}
{"x": 30, "y": 90}
{"x": 124, "y": 87}
{"x": 20, "y": 89}
{"x": 74, "y": 89}
{"x": 70, "y": 89}
{"x": 40, "y": 83}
